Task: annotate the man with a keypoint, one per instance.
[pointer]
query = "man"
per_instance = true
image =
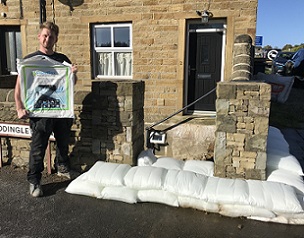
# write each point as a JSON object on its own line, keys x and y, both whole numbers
{"x": 43, "y": 127}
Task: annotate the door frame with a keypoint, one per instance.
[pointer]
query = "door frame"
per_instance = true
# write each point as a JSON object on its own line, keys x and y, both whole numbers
{"x": 213, "y": 26}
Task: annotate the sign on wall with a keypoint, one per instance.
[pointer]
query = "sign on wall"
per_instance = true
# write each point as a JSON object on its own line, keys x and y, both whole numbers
{"x": 17, "y": 130}
{"x": 258, "y": 40}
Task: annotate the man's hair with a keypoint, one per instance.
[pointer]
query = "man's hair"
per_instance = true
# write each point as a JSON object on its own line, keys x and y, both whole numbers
{"x": 51, "y": 26}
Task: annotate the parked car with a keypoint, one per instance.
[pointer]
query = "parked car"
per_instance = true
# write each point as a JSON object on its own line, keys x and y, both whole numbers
{"x": 297, "y": 64}
{"x": 279, "y": 61}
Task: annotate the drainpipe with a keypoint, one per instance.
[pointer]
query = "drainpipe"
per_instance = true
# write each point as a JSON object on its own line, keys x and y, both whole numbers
{"x": 42, "y": 11}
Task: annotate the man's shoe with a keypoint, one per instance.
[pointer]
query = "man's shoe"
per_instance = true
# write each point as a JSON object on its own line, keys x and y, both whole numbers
{"x": 36, "y": 190}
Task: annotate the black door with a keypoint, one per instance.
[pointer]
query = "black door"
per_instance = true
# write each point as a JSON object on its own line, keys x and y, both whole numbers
{"x": 204, "y": 69}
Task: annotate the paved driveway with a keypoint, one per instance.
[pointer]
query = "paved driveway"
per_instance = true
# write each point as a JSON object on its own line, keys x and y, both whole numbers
{"x": 59, "y": 214}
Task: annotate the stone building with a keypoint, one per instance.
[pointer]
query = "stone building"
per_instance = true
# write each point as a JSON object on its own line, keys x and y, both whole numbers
{"x": 168, "y": 45}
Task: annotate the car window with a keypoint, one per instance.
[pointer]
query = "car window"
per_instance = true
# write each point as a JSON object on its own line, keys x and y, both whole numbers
{"x": 285, "y": 55}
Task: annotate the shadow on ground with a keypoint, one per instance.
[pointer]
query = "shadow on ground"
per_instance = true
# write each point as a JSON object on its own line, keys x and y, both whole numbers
{"x": 291, "y": 113}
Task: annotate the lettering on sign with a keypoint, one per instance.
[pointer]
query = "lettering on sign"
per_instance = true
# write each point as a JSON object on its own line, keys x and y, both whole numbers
{"x": 17, "y": 130}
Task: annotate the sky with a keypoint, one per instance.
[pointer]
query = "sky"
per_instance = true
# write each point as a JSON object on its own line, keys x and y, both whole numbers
{"x": 280, "y": 22}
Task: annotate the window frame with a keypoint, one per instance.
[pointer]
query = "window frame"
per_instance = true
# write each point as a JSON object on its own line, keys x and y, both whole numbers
{"x": 112, "y": 49}
{"x": 5, "y": 44}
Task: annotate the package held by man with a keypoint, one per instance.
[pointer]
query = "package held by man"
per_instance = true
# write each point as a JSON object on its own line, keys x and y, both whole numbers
{"x": 46, "y": 87}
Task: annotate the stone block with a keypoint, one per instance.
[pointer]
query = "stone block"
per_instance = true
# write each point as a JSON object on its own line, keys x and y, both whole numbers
{"x": 242, "y": 59}
{"x": 222, "y": 106}
{"x": 256, "y": 143}
{"x": 96, "y": 146}
{"x": 255, "y": 174}
{"x": 242, "y": 66}
{"x": 226, "y": 91}
{"x": 226, "y": 123}
{"x": 261, "y": 161}
{"x": 241, "y": 75}
{"x": 219, "y": 171}
{"x": 220, "y": 140}
{"x": 223, "y": 156}
{"x": 248, "y": 86}
{"x": 261, "y": 125}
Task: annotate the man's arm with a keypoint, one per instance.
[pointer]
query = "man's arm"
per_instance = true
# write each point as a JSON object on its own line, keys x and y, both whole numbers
{"x": 22, "y": 113}
{"x": 74, "y": 71}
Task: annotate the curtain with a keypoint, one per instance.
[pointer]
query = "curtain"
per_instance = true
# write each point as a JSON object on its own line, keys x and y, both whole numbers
{"x": 123, "y": 64}
{"x": 122, "y": 61}
{"x": 105, "y": 63}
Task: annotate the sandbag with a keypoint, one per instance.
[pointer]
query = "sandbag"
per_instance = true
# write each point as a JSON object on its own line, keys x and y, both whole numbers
{"x": 276, "y": 197}
{"x": 185, "y": 183}
{"x": 145, "y": 177}
{"x": 82, "y": 186}
{"x": 169, "y": 163}
{"x": 146, "y": 158}
{"x": 158, "y": 196}
{"x": 119, "y": 193}
{"x": 287, "y": 177}
{"x": 199, "y": 166}
{"x": 107, "y": 174}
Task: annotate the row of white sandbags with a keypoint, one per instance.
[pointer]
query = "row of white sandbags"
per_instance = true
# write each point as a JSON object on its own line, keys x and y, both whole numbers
{"x": 231, "y": 197}
{"x": 283, "y": 167}
{"x": 147, "y": 158}
{"x": 107, "y": 181}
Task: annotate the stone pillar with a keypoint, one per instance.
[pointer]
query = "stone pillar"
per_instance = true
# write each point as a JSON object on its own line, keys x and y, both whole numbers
{"x": 242, "y": 110}
{"x": 242, "y": 58}
{"x": 118, "y": 120}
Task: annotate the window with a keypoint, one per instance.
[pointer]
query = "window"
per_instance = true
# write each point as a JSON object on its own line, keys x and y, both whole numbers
{"x": 112, "y": 56}
{"x": 10, "y": 49}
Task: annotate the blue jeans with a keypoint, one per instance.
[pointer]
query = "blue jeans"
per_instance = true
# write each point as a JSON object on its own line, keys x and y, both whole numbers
{"x": 42, "y": 128}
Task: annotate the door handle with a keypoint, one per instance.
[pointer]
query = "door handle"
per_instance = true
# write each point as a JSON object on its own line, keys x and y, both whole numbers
{"x": 203, "y": 76}
{"x": 190, "y": 69}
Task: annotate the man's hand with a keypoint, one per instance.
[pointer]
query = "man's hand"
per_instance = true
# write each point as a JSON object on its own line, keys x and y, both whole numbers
{"x": 74, "y": 68}
{"x": 22, "y": 113}
{"x": 74, "y": 71}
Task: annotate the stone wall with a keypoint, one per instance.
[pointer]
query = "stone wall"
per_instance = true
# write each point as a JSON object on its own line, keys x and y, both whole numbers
{"x": 118, "y": 120}
{"x": 108, "y": 125}
{"x": 187, "y": 138}
{"x": 242, "y": 109}
{"x": 242, "y": 129}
